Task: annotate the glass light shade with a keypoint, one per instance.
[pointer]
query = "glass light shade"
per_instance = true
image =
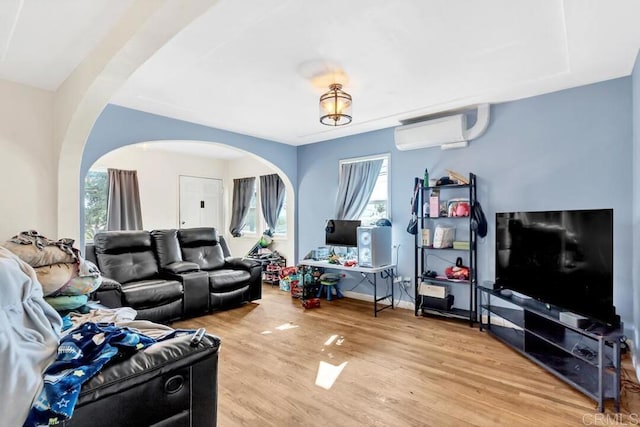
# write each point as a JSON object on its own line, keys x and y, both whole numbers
{"x": 335, "y": 106}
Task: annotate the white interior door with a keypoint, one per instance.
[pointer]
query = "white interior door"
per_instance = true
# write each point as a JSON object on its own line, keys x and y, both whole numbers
{"x": 201, "y": 202}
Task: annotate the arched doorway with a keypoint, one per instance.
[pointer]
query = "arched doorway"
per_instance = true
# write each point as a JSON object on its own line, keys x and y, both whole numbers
{"x": 162, "y": 165}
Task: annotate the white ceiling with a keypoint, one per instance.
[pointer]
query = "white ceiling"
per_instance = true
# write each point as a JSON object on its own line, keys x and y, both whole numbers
{"x": 42, "y": 42}
{"x": 258, "y": 67}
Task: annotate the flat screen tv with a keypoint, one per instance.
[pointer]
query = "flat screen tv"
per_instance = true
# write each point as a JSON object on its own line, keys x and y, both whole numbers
{"x": 341, "y": 232}
{"x": 563, "y": 258}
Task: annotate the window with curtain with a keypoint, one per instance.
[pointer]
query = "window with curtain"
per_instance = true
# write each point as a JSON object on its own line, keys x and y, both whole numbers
{"x": 243, "y": 206}
{"x": 267, "y": 192}
{"x": 272, "y": 199}
{"x": 363, "y": 190}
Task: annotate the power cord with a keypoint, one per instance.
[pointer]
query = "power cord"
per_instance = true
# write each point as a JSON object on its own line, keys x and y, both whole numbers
{"x": 357, "y": 284}
{"x": 403, "y": 288}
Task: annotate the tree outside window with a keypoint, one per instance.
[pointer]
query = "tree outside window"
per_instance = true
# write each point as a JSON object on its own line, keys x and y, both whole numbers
{"x": 250, "y": 222}
{"x": 95, "y": 204}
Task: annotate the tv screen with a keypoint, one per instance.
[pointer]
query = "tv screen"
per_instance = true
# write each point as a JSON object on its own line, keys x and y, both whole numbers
{"x": 564, "y": 258}
{"x": 342, "y": 232}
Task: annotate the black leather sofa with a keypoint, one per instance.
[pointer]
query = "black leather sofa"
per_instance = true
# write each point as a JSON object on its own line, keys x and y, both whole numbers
{"x": 231, "y": 280}
{"x": 171, "y": 383}
{"x": 171, "y": 274}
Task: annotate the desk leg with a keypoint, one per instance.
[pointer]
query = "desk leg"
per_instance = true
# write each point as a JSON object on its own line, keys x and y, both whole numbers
{"x": 375, "y": 292}
{"x": 375, "y": 295}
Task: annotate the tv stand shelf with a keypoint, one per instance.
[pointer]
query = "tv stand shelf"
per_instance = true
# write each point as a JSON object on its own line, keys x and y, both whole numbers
{"x": 587, "y": 359}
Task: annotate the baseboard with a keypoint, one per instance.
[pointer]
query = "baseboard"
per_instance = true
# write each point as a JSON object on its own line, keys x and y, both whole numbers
{"x": 408, "y": 305}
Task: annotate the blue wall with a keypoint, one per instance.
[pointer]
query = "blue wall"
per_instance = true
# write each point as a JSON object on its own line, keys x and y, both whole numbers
{"x": 565, "y": 150}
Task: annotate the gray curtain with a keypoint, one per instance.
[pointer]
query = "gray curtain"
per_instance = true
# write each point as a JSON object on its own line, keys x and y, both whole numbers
{"x": 243, "y": 189}
{"x": 357, "y": 180}
{"x": 123, "y": 200}
{"x": 272, "y": 192}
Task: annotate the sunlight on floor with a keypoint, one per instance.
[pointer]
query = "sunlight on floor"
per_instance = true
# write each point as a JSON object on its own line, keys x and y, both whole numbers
{"x": 331, "y": 339}
{"x": 283, "y": 327}
{"x": 328, "y": 374}
{"x": 286, "y": 326}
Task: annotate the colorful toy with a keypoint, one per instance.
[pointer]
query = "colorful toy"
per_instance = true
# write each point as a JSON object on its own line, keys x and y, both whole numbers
{"x": 311, "y": 303}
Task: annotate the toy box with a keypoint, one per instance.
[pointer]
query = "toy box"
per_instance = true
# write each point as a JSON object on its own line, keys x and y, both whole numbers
{"x": 289, "y": 282}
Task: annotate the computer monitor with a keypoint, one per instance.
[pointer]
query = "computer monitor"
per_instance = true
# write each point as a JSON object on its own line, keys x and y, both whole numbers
{"x": 341, "y": 232}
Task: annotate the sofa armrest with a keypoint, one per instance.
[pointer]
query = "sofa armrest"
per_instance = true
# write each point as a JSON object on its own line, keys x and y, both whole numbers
{"x": 166, "y": 380}
{"x": 236, "y": 263}
{"x": 110, "y": 285}
{"x": 195, "y": 284}
{"x": 157, "y": 359}
{"x": 255, "y": 271}
{"x": 179, "y": 267}
{"x": 109, "y": 293}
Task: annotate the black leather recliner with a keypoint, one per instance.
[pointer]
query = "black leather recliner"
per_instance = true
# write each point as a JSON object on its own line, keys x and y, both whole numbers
{"x": 171, "y": 383}
{"x": 232, "y": 281}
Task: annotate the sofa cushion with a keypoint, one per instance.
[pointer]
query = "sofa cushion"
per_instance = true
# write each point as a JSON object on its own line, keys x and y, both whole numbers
{"x": 225, "y": 280}
{"x": 114, "y": 242}
{"x": 166, "y": 245}
{"x": 151, "y": 293}
{"x": 207, "y": 257}
{"x": 202, "y": 236}
{"x": 128, "y": 267}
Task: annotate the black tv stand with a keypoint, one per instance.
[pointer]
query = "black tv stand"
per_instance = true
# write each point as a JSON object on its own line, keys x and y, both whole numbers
{"x": 587, "y": 358}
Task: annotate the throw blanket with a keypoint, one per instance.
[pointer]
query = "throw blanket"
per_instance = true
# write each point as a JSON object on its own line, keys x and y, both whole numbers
{"x": 29, "y": 333}
{"x": 81, "y": 354}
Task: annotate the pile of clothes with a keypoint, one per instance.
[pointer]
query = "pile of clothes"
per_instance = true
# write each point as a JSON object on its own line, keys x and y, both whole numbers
{"x": 67, "y": 278}
{"x": 45, "y": 359}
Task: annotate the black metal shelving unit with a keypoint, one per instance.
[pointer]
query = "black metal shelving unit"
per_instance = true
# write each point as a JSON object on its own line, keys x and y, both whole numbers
{"x": 422, "y": 253}
{"x": 588, "y": 359}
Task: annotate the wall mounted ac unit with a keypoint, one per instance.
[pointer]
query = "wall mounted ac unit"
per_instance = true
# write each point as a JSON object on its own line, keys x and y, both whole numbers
{"x": 447, "y": 132}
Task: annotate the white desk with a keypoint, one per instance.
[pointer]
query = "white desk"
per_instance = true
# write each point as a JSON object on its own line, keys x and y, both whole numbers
{"x": 388, "y": 269}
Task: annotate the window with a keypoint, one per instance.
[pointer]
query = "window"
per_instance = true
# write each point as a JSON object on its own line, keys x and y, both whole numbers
{"x": 251, "y": 221}
{"x": 95, "y": 204}
{"x": 281, "y": 225}
{"x": 255, "y": 223}
{"x": 378, "y": 204}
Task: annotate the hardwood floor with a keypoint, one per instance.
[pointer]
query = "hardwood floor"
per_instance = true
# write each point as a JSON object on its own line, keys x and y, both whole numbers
{"x": 399, "y": 370}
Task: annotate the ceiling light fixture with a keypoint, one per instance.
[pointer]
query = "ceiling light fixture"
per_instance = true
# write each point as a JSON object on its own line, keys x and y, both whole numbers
{"x": 335, "y": 106}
